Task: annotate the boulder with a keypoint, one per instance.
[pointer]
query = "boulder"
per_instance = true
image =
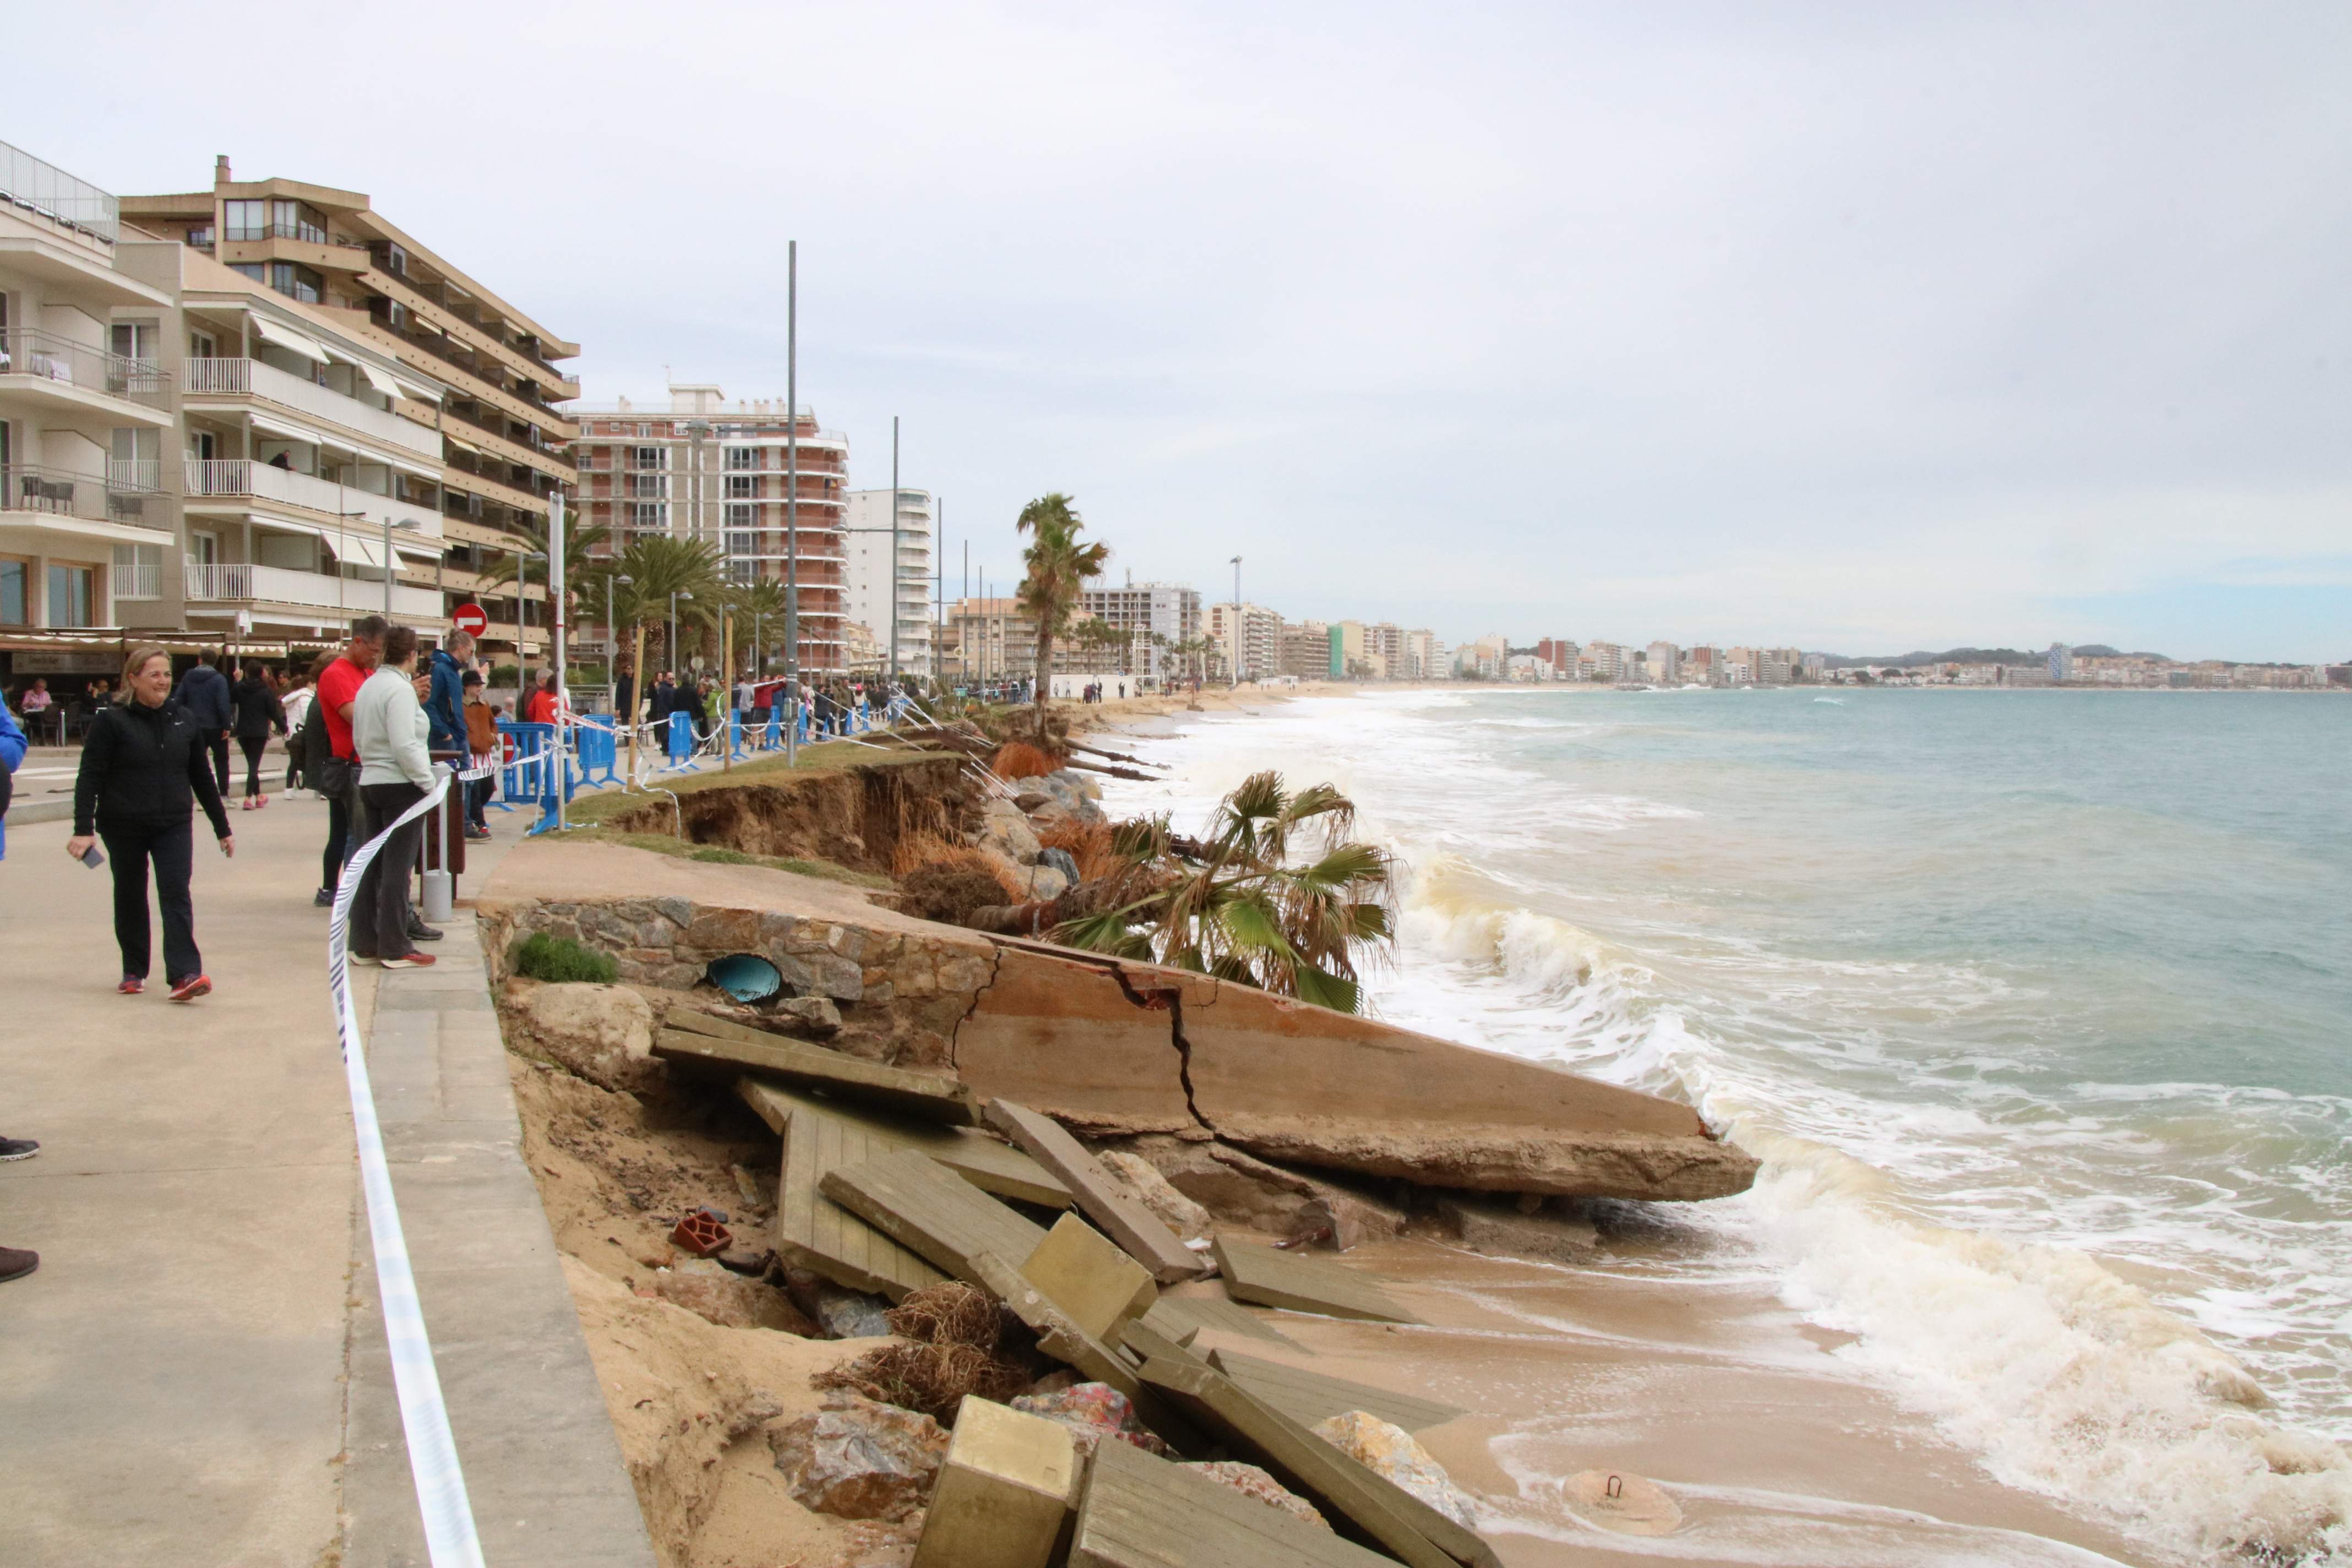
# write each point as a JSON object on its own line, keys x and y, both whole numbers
{"x": 1092, "y": 1411}
{"x": 1043, "y": 881}
{"x": 1253, "y": 1482}
{"x": 1029, "y": 800}
{"x": 601, "y": 1033}
{"x": 1002, "y": 825}
{"x": 1061, "y": 861}
{"x": 1179, "y": 1214}
{"x": 718, "y": 1295}
{"x": 1500, "y": 1227}
{"x": 857, "y": 1458}
{"x": 850, "y": 1314}
{"x": 1394, "y": 1453}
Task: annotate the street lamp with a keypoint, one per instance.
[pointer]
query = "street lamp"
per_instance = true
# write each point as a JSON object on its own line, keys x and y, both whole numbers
{"x": 674, "y": 598}
{"x": 612, "y": 635}
{"x": 1237, "y": 621}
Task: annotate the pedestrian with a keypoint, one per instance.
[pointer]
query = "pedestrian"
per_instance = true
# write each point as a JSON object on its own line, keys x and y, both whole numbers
{"x": 12, "y": 746}
{"x": 337, "y": 774}
{"x": 444, "y": 708}
{"x": 143, "y": 759}
{"x": 297, "y": 705}
{"x": 624, "y": 695}
{"x": 204, "y": 694}
{"x": 482, "y": 745}
{"x": 390, "y": 731}
{"x": 539, "y": 708}
{"x": 257, "y": 712}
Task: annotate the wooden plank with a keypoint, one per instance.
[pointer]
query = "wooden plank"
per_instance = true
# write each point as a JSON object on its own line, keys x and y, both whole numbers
{"x": 1277, "y": 1279}
{"x": 929, "y": 1210}
{"x": 1140, "y": 1511}
{"x": 988, "y": 1165}
{"x": 931, "y": 1097}
{"x": 1101, "y": 1197}
{"x": 1307, "y": 1398}
{"x": 817, "y": 1234}
{"x": 1066, "y": 1341}
{"x": 1182, "y": 1318}
{"x": 1362, "y": 1505}
{"x": 1143, "y": 1344}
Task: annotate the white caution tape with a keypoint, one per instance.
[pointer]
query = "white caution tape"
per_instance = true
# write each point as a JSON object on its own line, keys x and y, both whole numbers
{"x": 450, "y": 1539}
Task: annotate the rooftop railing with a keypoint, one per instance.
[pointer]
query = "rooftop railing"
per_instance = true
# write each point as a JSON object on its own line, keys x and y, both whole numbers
{"x": 49, "y": 357}
{"x": 47, "y": 191}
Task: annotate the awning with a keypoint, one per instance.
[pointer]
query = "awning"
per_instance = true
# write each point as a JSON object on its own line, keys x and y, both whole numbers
{"x": 362, "y": 549}
{"x": 384, "y": 381}
{"x": 463, "y": 446}
{"x": 287, "y": 338}
{"x": 421, "y": 390}
{"x": 279, "y": 427}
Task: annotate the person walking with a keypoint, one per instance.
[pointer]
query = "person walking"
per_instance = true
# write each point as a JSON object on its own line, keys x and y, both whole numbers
{"x": 336, "y": 775}
{"x": 482, "y": 745}
{"x": 390, "y": 731}
{"x": 144, "y": 758}
{"x": 257, "y": 711}
{"x": 204, "y": 695}
{"x": 297, "y": 705}
{"x": 444, "y": 705}
{"x": 14, "y": 743}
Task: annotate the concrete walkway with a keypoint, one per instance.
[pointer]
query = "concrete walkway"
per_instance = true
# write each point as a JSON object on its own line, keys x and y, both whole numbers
{"x": 196, "y": 1373}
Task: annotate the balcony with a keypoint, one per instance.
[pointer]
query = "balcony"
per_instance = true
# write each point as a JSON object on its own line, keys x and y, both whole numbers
{"x": 240, "y": 478}
{"x": 251, "y": 378}
{"x": 242, "y": 583}
{"x": 47, "y": 191}
{"x": 66, "y": 374}
{"x": 116, "y": 498}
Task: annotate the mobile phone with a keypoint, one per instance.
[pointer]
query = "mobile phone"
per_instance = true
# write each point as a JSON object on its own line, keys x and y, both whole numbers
{"x": 93, "y": 858}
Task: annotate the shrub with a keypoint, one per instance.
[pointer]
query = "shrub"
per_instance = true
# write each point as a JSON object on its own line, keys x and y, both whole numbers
{"x": 1020, "y": 760}
{"x": 1087, "y": 843}
{"x": 950, "y": 893}
{"x": 916, "y": 850}
{"x": 539, "y": 956}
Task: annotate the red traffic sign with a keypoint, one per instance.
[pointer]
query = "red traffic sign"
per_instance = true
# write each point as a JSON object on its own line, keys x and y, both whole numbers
{"x": 471, "y": 619}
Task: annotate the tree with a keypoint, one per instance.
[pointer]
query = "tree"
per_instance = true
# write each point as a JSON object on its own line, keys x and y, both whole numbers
{"x": 579, "y": 563}
{"x": 758, "y": 608}
{"x": 1058, "y": 566}
{"x": 657, "y": 565}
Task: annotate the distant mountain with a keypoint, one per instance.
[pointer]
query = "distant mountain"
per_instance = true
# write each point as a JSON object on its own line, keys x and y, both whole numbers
{"x": 1974, "y": 656}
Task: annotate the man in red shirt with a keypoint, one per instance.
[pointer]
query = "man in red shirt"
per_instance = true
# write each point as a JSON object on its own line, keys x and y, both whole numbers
{"x": 339, "y": 687}
{"x": 540, "y": 707}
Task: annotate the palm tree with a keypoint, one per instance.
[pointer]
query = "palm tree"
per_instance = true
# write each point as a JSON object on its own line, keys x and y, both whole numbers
{"x": 1240, "y": 905}
{"x": 759, "y": 605}
{"x": 1058, "y": 567}
{"x": 657, "y": 565}
{"x": 580, "y": 563}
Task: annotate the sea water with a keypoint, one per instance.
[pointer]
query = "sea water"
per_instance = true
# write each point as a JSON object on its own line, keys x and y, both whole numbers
{"x": 2037, "y": 1007}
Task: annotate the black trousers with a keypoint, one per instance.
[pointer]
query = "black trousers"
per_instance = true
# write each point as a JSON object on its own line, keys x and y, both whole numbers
{"x": 334, "y": 782}
{"x": 218, "y": 746}
{"x": 380, "y": 909}
{"x": 252, "y": 746}
{"x": 131, "y": 847}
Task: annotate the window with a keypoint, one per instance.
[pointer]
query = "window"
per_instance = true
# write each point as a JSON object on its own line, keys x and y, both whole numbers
{"x": 743, "y": 572}
{"x": 275, "y": 219}
{"x": 740, "y": 516}
{"x": 741, "y": 486}
{"x": 290, "y": 279}
{"x": 644, "y": 430}
{"x": 742, "y": 544}
{"x": 743, "y": 457}
{"x": 649, "y": 514}
{"x": 13, "y": 606}
{"x": 586, "y": 458}
{"x": 645, "y": 457}
{"x": 644, "y": 484}
{"x": 69, "y": 596}
{"x": 200, "y": 237}
{"x": 135, "y": 339}
{"x": 245, "y": 220}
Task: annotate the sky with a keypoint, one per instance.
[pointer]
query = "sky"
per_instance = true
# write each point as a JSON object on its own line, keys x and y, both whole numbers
{"x": 1860, "y": 328}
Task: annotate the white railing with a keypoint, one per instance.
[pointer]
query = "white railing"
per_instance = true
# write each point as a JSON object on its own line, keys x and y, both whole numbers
{"x": 144, "y": 475}
{"x": 241, "y": 479}
{"x": 143, "y": 581}
{"x": 244, "y": 376}
{"x": 44, "y": 356}
{"x": 241, "y": 581}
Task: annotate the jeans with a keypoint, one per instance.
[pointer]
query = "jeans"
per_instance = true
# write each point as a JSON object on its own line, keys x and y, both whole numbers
{"x": 218, "y": 746}
{"x": 252, "y": 746}
{"x": 380, "y": 909}
{"x": 477, "y": 799}
{"x": 334, "y": 782}
{"x": 170, "y": 846}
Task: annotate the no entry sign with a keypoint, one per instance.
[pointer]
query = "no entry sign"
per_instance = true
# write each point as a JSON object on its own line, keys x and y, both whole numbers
{"x": 471, "y": 619}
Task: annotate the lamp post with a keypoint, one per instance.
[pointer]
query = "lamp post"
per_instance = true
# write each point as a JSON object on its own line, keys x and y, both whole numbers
{"x": 674, "y": 598}
{"x": 890, "y": 664}
{"x": 792, "y": 495}
{"x": 1237, "y": 621}
{"x": 612, "y": 635}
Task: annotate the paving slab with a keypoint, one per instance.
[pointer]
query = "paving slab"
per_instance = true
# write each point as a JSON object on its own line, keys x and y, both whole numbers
{"x": 988, "y": 1163}
{"x": 1182, "y": 1318}
{"x": 818, "y": 1233}
{"x": 1066, "y": 1341}
{"x": 1307, "y": 1398}
{"x": 1272, "y": 1277}
{"x": 1140, "y": 1511}
{"x": 1101, "y": 1197}
{"x": 933, "y": 1097}
{"x": 929, "y": 1210}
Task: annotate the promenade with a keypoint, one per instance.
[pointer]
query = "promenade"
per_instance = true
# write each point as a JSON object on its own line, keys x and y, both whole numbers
{"x": 196, "y": 1373}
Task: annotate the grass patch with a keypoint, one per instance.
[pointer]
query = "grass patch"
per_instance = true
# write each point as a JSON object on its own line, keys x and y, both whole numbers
{"x": 539, "y": 956}
{"x": 713, "y": 855}
{"x": 826, "y": 756}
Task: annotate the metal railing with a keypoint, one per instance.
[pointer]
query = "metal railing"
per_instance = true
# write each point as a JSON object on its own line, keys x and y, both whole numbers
{"x": 232, "y": 581}
{"x": 60, "y": 492}
{"x": 136, "y": 580}
{"x": 241, "y": 478}
{"x": 46, "y": 356}
{"x": 234, "y": 377}
{"x": 47, "y": 191}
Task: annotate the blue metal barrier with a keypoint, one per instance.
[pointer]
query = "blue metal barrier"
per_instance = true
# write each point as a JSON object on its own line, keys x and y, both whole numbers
{"x": 535, "y": 768}
{"x": 681, "y": 741}
{"x": 735, "y": 734}
{"x": 599, "y": 746}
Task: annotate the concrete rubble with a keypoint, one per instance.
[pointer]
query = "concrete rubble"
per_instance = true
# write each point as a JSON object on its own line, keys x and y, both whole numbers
{"x": 859, "y": 1459}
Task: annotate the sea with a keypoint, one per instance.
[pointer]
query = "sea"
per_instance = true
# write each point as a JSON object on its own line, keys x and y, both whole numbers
{"x": 2036, "y": 1006}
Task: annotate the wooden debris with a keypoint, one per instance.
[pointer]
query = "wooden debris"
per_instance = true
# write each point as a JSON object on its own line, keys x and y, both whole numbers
{"x": 699, "y": 1038}
{"x": 991, "y": 1166}
{"x": 1367, "y": 1507}
{"x": 1101, "y": 1195}
{"x": 1083, "y": 1272}
{"x": 1307, "y": 1398}
{"x": 1182, "y": 1318}
{"x": 817, "y": 1233}
{"x": 1143, "y": 1344}
{"x": 930, "y": 1211}
{"x": 1143, "y": 1512}
{"x": 1004, "y": 1491}
{"x": 1271, "y": 1278}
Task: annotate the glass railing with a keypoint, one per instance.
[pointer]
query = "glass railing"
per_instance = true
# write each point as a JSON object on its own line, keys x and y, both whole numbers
{"x": 44, "y": 356}
{"x": 94, "y": 497}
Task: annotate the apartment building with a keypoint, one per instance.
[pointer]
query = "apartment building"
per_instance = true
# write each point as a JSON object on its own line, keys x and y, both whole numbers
{"x": 992, "y": 639}
{"x": 1424, "y": 656}
{"x": 1663, "y": 662}
{"x": 868, "y": 551}
{"x": 1306, "y": 649}
{"x": 1245, "y": 640}
{"x": 1560, "y": 653}
{"x": 697, "y": 465}
{"x": 1703, "y": 665}
{"x": 434, "y": 348}
{"x": 1158, "y": 614}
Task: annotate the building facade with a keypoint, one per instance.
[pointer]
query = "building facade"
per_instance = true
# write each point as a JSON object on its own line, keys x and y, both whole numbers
{"x": 1306, "y": 649}
{"x": 1156, "y": 614}
{"x": 868, "y": 550}
{"x": 1246, "y": 641}
{"x": 698, "y": 467}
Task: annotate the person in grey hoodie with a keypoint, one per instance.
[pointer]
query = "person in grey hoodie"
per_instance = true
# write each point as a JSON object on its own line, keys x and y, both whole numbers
{"x": 389, "y": 730}
{"x": 203, "y": 695}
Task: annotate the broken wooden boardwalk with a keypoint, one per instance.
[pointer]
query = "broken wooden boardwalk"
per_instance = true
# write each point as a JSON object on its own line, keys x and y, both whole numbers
{"x": 986, "y": 1164}
{"x": 1275, "y": 1278}
{"x": 1143, "y": 1512}
{"x": 929, "y": 1210}
{"x": 1182, "y": 1318}
{"x": 817, "y": 1234}
{"x": 697, "y": 1037}
{"x": 1307, "y": 1398}
{"x": 1101, "y": 1197}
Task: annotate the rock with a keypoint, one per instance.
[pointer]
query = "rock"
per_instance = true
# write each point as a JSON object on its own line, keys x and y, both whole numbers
{"x": 815, "y": 1014}
{"x": 1253, "y": 1482}
{"x": 1042, "y": 881}
{"x": 1621, "y": 1502}
{"x": 1337, "y": 1221}
{"x": 601, "y": 1033}
{"x": 1061, "y": 861}
{"x": 719, "y": 1296}
{"x": 1029, "y": 800}
{"x": 850, "y": 1314}
{"x": 1500, "y": 1229}
{"x": 1003, "y": 826}
{"x": 1179, "y": 1214}
{"x": 856, "y": 1459}
{"x": 1393, "y": 1452}
{"x": 1092, "y": 1411}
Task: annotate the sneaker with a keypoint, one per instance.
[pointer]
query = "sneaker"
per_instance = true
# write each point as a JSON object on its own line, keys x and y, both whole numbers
{"x": 419, "y": 932}
{"x": 246, "y": 805}
{"x": 18, "y": 1148}
{"x": 410, "y": 961}
{"x": 193, "y": 986}
{"x": 259, "y": 801}
{"x": 15, "y": 1262}
{"x": 323, "y": 899}
{"x": 361, "y": 958}
{"x": 472, "y": 832}
{"x": 132, "y": 985}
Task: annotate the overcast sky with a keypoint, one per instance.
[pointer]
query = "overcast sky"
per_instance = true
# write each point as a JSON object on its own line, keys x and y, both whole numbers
{"x": 1863, "y": 328}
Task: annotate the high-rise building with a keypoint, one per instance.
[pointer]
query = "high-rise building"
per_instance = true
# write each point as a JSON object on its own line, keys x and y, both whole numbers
{"x": 1246, "y": 641}
{"x": 698, "y": 467}
{"x": 497, "y": 453}
{"x": 1156, "y": 615}
{"x": 2062, "y": 662}
{"x": 1306, "y": 649}
{"x": 1609, "y": 661}
{"x": 1384, "y": 642}
{"x": 868, "y": 549}
{"x": 1665, "y": 662}
{"x": 1560, "y": 653}
{"x": 1741, "y": 667}
{"x": 1422, "y": 653}
{"x": 1703, "y": 665}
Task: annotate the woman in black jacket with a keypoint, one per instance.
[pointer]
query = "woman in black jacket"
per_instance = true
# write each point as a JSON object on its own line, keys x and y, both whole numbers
{"x": 258, "y": 712}
{"x": 141, "y": 763}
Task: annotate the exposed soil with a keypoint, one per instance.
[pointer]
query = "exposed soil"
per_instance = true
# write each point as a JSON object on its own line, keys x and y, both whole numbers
{"x": 852, "y": 816}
